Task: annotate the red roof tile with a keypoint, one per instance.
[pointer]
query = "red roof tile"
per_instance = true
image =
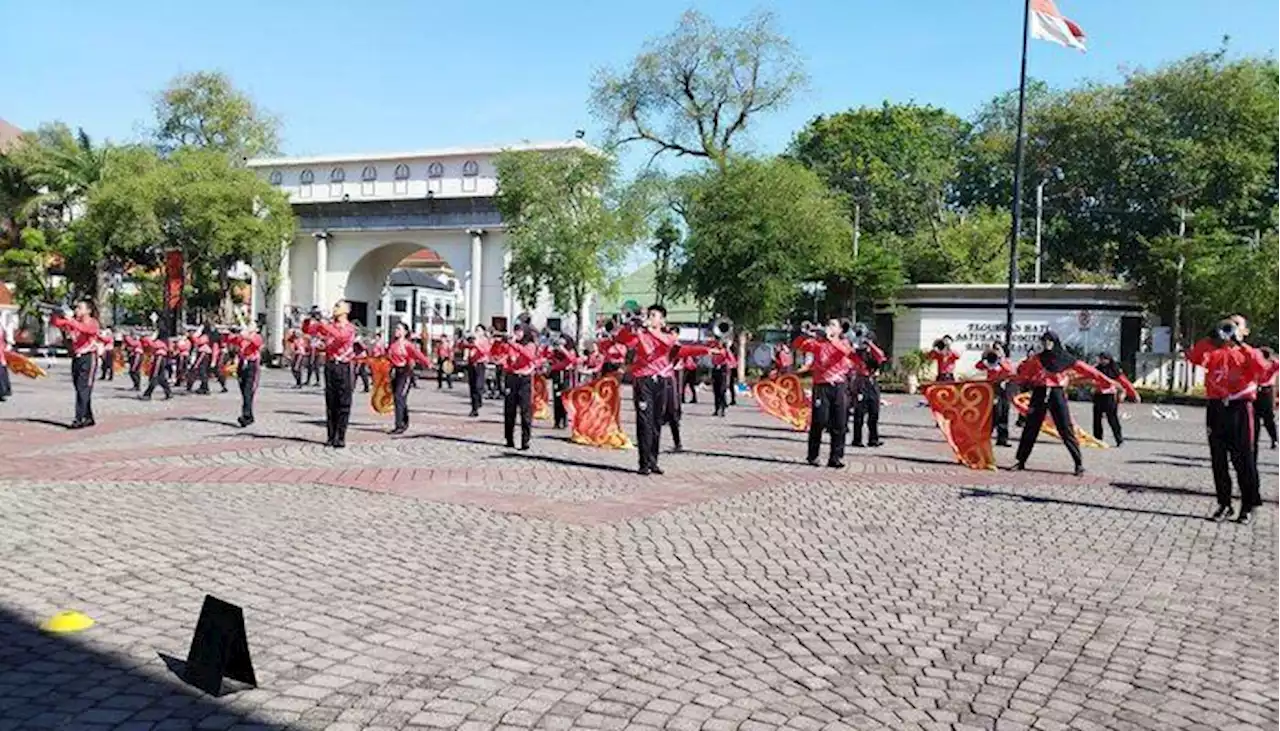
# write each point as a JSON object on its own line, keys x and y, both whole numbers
{"x": 424, "y": 256}
{"x": 8, "y": 135}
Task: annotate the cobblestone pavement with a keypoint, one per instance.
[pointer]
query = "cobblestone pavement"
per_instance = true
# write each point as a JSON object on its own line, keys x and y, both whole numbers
{"x": 440, "y": 580}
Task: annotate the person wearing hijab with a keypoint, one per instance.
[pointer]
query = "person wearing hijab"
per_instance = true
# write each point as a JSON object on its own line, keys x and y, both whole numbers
{"x": 1048, "y": 373}
{"x": 1106, "y": 400}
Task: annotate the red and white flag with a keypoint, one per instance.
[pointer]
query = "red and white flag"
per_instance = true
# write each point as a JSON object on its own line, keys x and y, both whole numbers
{"x": 1048, "y": 24}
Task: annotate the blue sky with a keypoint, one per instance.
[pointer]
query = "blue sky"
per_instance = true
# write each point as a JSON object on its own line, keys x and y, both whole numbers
{"x": 393, "y": 75}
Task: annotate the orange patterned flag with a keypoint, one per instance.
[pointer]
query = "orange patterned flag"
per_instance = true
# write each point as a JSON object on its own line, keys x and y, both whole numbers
{"x": 541, "y": 398}
{"x": 23, "y": 365}
{"x": 145, "y": 367}
{"x": 117, "y": 360}
{"x": 784, "y": 397}
{"x": 1022, "y": 402}
{"x": 230, "y": 369}
{"x": 963, "y": 412}
{"x": 381, "y": 398}
{"x": 595, "y": 413}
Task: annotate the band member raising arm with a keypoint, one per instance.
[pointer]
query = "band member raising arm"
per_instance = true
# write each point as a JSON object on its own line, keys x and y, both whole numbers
{"x": 521, "y": 356}
{"x": 338, "y": 338}
{"x": 477, "y": 347}
{"x": 945, "y": 358}
{"x": 82, "y": 328}
{"x": 403, "y": 354}
{"x": 248, "y": 345}
{"x": 1105, "y": 401}
{"x": 999, "y": 372}
{"x": 650, "y": 372}
{"x": 831, "y": 364}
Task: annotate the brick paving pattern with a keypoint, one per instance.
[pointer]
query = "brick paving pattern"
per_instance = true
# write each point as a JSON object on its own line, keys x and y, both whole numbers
{"x": 439, "y": 580}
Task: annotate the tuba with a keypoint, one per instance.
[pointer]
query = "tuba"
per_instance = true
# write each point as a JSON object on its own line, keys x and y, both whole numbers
{"x": 722, "y": 329}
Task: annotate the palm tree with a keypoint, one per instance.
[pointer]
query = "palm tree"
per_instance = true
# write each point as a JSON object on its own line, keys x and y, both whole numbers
{"x": 63, "y": 168}
{"x": 16, "y": 193}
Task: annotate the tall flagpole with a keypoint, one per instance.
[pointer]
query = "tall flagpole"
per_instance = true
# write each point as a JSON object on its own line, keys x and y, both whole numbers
{"x": 1019, "y": 154}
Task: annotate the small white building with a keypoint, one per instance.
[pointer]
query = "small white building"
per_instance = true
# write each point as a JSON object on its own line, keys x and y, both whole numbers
{"x": 423, "y": 299}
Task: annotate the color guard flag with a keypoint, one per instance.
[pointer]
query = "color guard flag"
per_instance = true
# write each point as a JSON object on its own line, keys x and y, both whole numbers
{"x": 1048, "y": 24}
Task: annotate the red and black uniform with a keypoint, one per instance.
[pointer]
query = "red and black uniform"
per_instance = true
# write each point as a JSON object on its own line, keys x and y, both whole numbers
{"x": 1264, "y": 409}
{"x": 831, "y": 364}
{"x": 865, "y": 395}
{"x": 338, "y": 340}
{"x": 1106, "y": 400}
{"x": 680, "y": 354}
{"x": 363, "y": 371}
{"x": 403, "y": 354}
{"x": 134, "y": 346}
{"x": 783, "y": 361}
{"x": 564, "y": 364}
{"x": 520, "y": 361}
{"x": 1232, "y": 374}
{"x": 181, "y": 355}
{"x": 591, "y": 366}
{"x": 720, "y": 366}
{"x": 6, "y": 390}
{"x": 615, "y": 354}
{"x": 159, "y": 372}
{"x": 199, "y": 369}
{"x": 1049, "y": 373}
{"x": 444, "y": 354}
{"x": 108, "y": 354}
{"x": 301, "y": 346}
{"x": 689, "y": 379}
{"x": 216, "y": 357}
{"x": 248, "y": 369}
{"x": 651, "y": 373}
{"x": 477, "y": 350}
{"x": 999, "y": 371}
{"x": 945, "y": 358}
{"x": 84, "y": 364}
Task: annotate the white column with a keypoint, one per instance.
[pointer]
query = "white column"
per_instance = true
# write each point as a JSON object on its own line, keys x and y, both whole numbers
{"x": 473, "y": 294}
{"x": 322, "y": 268}
{"x": 283, "y": 293}
{"x": 384, "y": 326}
{"x": 584, "y": 315}
{"x": 508, "y": 302}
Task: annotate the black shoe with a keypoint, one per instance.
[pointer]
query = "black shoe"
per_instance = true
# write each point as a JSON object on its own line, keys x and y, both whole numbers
{"x": 1273, "y": 446}
{"x": 1019, "y": 466}
{"x": 144, "y": 397}
{"x": 857, "y": 444}
{"x": 524, "y": 447}
{"x": 645, "y": 471}
{"x": 77, "y": 424}
{"x": 1003, "y": 443}
{"x": 836, "y": 464}
{"x": 224, "y": 389}
{"x": 656, "y": 470}
{"x": 1119, "y": 442}
{"x": 339, "y": 444}
{"x": 474, "y": 413}
{"x": 1246, "y": 517}
{"x": 1078, "y": 471}
{"x": 875, "y": 443}
{"x": 812, "y": 462}
{"x": 397, "y": 430}
{"x": 677, "y": 448}
{"x": 1222, "y": 514}
{"x": 241, "y": 421}
{"x": 511, "y": 444}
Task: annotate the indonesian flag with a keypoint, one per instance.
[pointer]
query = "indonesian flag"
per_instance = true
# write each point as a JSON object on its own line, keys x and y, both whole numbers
{"x": 1047, "y": 24}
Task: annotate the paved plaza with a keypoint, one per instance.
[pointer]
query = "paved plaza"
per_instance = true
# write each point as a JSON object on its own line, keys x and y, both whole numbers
{"x": 439, "y": 580}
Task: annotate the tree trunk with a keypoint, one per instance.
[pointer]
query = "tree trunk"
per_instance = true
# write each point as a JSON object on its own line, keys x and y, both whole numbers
{"x": 102, "y": 292}
{"x": 742, "y": 356}
{"x": 224, "y": 286}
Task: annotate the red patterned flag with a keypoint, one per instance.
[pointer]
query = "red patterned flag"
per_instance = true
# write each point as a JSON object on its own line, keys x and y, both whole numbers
{"x": 541, "y": 398}
{"x": 117, "y": 360}
{"x": 380, "y": 396}
{"x": 22, "y": 365}
{"x": 784, "y": 397}
{"x": 963, "y": 412}
{"x": 595, "y": 413}
{"x": 1048, "y": 24}
{"x": 1022, "y": 402}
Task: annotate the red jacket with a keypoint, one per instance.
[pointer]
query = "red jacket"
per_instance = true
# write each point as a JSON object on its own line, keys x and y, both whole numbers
{"x": 478, "y": 351}
{"x": 339, "y": 339}
{"x": 653, "y": 351}
{"x": 250, "y": 346}
{"x": 402, "y": 352}
{"x": 946, "y": 360}
{"x": 861, "y": 367}
{"x": 157, "y": 347}
{"x": 593, "y": 363}
{"x": 444, "y": 349}
{"x": 522, "y": 359}
{"x": 1232, "y": 372}
{"x": 614, "y": 352}
{"x": 1001, "y": 371}
{"x": 1032, "y": 373}
{"x": 4, "y": 348}
{"x": 561, "y": 359}
{"x": 782, "y": 357}
{"x": 832, "y": 359}
{"x": 84, "y": 333}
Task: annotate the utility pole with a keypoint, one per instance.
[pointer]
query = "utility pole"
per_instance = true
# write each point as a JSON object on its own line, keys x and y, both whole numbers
{"x": 1039, "y": 209}
{"x": 1175, "y": 337}
{"x": 1019, "y": 156}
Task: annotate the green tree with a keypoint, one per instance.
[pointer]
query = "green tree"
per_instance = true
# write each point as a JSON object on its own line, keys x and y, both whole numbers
{"x": 697, "y": 90}
{"x": 206, "y": 110}
{"x": 569, "y": 226}
{"x": 665, "y": 245}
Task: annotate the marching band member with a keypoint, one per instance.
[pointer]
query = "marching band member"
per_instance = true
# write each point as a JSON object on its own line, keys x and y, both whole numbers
{"x": 6, "y": 390}
{"x": 998, "y": 371}
{"x": 300, "y": 356}
{"x": 564, "y": 359}
{"x": 731, "y": 366}
{"x": 1048, "y": 373}
{"x": 650, "y": 372}
{"x": 82, "y": 328}
{"x": 215, "y": 360}
{"x": 945, "y": 358}
{"x": 1264, "y": 413}
{"x": 720, "y": 381}
{"x": 674, "y": 411}
{"x": 337, "y": 338}
{"x": 615, "y": 353}
{"x": 689, "y": 379}
{"x": 316, "y": 360}
{"x": 363, "y": 372}
{"x": 1233, "y": 371}
{"x": 444, "y": 354}
{"x": 199, "y": 369}
{"x": 592, "y": 363}
{"x": 403, "y": 354}
{"x": 867, "y": 358}
{"x": 831, "y": 364}
{"x": 477, "y": 347}
{"x": 782, "y": 359}
{"x": 521, "y": 358}
{"x": 159, "y": 374}
{"x": 1105, "y": 401}
{"x": 108, "y": 341}
{"x": 181, "y": 354}
{"x": 134, "y": 346}
{"x": 248, "y": 345}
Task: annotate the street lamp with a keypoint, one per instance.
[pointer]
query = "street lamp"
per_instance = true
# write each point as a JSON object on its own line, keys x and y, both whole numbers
{"x": 1056, "y": 174}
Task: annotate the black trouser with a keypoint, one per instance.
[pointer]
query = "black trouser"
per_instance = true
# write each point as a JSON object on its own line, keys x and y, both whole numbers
{"x": 673, "y": 412}
{"x": 413, "y": 377}
{"x": 218, "y": 372}
{"x": 199, "y": 371}
{"x": 733, "y": 385}
{"x": 650, "y": 396}
{"x": 362, "y": 370}
{"x": 313, "y": 369}
{"x": 1231, "y": 439}
{"x": 689, "y": 380}
{"x": 1264, "y": 415}
{"x": 339, "y": 381}
{"x": 1104, "y": 405}
{"x": 831, "y": 414}
{"x": 946, "y": 377}
{"x": 719, "y": 381}
{"x": 1000, "y": 419}
{"x": 159, "y": 376}
{"x": 499, "y": 381}
{"x": 179, "y": 369}
{"x": 866, "y": 407}
{"x": 108, "y": 365}
{"x": 610, "y": 368}
{"x": 6, "y": 390}
{"x": 475, "y": 385}
{"x": 518, "y": 396}
{"x": 559, "y": 384}
{"x": 247, "y": 373}
{"x": 400, "y": 390}
{"x": 135, "y": 371}
{"x": 83, "y": 372}
{"x": 298, "y": 363}
{"x": 441, "y": 376}
{"x": 1054, "y": 401}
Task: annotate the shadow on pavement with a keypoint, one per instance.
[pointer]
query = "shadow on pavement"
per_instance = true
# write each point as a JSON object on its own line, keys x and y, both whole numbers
{"x": 603, "y": 467}
{"x": 204, "y": 420}
{"x": 444, "y": 438}
{"x": 974, "y": 492}
{"x": 58, "y": 681}
{"x": 1133, "y": 487}
{"x": 748, "y": 457}
{"x": 37, "y": 420}
{"x": 254, "y": 435}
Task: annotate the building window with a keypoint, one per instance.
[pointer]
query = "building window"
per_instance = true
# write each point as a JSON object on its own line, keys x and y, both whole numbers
{"x": 448, "y": 311}
{"x": 368, "y": 179}
{"x": 470, "y": 170}
{"x": 435, "y": 170}
{"x": 401, "y": 184}
{"x": 304, "y": 183}
{"x": 277, "y": 177}
{"x": 402, "y": 305}
{"x": 336, "y": 177}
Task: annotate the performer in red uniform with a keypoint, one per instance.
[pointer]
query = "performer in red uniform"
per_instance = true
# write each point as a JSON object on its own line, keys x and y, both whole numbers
{"x": 444, "y": 354}
{"x": 831, "y": 364}
{"x": 782, "y": 359}
{"x": 564, "y": 359}
{"x": 1233, "y": 372}
{"x": 477, "y": 348}
{"x": 82, "y": 329}
{"x": 591, "y": 364}
{"x": 520, "y": 357}
{"x": 999, "y": 372}
{"x": 316, "y": 360}
{"x": 248, "y": 346}
{"x": 945, "y": 358}
{"x": 731, "y": 363}
{"x": 6, "y": 390}
{"x": 720, "y": 381}
{"x": 216, "y": 356}
{"x": 159, "y": 373}
{"x": 615, "y": 353}
{"x": 108, "y": 349}
{"x": 338, "y": 338}
{"x": 1105, "y": 401}
{"x": 403, "y": 354}
{"x": 650, "y": 373}
{"x": 299, "y": 345}
{"x": 867, "y": 358}
{"x": 133, "y": 345}
{"x": 1264, "y": 412}
{"x": 1048, "y": 373}
{"x": 181, "y": 353}
{"x": 674, "y": 411}
{"x": 689, "y": 379}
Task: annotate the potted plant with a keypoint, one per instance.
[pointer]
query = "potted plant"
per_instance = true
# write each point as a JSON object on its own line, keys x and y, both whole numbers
{"x": 910, "y": 364}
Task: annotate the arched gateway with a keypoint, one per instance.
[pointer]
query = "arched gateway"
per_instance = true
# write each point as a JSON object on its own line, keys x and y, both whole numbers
{"x": 361, "y": 215}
